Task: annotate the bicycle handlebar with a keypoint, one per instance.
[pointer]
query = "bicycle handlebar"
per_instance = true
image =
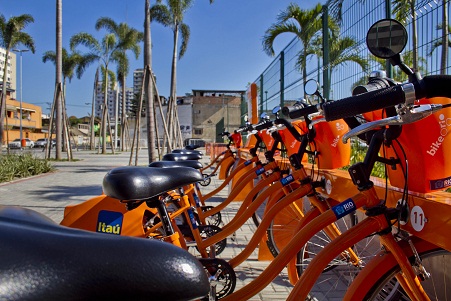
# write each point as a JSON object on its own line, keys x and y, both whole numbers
{"x": 263, "y": 125}
{"x": 298, "y": 111}
{"x": 429, "y": 86}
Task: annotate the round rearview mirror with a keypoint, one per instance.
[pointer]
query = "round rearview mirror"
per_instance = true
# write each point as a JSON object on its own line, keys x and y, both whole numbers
{"x": 386, "y": 38}
{"x": 276, "y": 110}
{"x": 311, "y": 87}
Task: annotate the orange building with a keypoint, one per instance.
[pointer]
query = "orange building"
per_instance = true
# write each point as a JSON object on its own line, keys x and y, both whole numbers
{"x": 31, "y": 121}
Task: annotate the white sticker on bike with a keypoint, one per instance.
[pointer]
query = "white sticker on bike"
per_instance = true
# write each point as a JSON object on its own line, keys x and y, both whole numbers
{"x": 417, "y": 218}
{"x": 328, "y": 186}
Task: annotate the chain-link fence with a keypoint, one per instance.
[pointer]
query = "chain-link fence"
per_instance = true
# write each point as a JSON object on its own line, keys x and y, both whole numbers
{"x": 338, "y": 68}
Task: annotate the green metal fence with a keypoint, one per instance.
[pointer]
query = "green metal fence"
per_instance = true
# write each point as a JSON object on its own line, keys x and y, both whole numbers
{"x": 281, "y": 82}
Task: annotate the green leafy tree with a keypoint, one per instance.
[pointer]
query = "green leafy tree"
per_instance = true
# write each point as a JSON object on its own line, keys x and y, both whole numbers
{"x": 11, "y": 36}
{"x": 304, "y": 24}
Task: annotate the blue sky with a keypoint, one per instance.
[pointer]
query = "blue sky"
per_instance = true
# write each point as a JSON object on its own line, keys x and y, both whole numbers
{"x": 224, "y": 51}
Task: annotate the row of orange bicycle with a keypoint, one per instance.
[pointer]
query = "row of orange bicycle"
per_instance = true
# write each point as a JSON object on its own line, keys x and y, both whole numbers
{"x": 380, "y": 239}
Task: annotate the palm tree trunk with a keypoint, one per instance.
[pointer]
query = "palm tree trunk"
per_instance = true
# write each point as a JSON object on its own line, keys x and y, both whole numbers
{"x": 445, "y": 27}
{"x": 3, "y": 112}
{"x": 149, "y": 87}
{"x": 124, "y": 115}
{"x": 58, "y": 78}
{"x": 105, "y": 110}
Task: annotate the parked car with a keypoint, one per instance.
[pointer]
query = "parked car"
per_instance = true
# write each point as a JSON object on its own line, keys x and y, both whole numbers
{"x": 43, "y": 142}
{"x": 17, "y": 143}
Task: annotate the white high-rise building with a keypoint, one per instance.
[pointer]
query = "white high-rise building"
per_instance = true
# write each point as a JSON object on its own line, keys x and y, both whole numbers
{"x": 11, "y": 70}
{"x": 113, "y": 94}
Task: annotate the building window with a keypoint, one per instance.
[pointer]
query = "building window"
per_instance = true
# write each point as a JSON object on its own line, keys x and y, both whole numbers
{"x": 198, "y": 131}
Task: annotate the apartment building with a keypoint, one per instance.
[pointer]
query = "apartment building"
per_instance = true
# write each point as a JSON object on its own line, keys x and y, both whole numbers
{"x": 11, "y": 73}
{"x": 112, "y": 96}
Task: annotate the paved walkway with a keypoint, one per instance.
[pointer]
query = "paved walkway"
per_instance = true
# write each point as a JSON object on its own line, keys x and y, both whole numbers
{"x": 75, "y": 182}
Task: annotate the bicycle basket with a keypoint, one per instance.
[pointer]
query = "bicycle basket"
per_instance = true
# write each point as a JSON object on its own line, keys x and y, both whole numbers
{"x": 333, "y": 153}
{"x": 427, "y": 146}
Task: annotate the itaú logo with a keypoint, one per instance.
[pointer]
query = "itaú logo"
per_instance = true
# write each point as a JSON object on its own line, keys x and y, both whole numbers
{"x": 444, "y": 124}
{"x": 109, "y": 222}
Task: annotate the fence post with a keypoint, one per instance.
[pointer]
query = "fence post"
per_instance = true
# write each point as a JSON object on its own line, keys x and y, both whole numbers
{"x": 282, "y": 78}
{"x": 326, "y": 70}
{"x": 261, "y": 93}
{"x": 388, "y": 66}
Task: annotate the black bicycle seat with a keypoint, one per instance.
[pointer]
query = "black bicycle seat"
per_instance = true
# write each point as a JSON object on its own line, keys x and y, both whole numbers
{"x": 186, "y": 151}
{"x": 166, "y": 164}
{"x": 181, "y": 157}
{"x": 135, "y": 183}
{"x": 192, "y": 146}
{"x": 41, "y": 260}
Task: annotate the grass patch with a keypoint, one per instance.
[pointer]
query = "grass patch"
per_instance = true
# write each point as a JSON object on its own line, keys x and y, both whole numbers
{"x": 22, "y": 166}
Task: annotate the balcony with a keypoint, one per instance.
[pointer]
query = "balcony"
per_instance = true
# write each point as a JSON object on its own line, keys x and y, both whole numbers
{"x": 25, "y": 123}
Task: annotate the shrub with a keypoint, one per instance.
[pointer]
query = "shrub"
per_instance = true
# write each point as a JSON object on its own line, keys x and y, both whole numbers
{"x": 22, "y": 166}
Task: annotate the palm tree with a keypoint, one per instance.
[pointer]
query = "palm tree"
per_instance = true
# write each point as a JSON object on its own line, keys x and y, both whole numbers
{"x": 130, "y": 38}
{"x": 11, "y": 35}
{"x": 172, "y": 15}
{"x": 58, "y": 103}
{"x": 303, "y": 23}
{"x": 148, "y": 85}
{"x": 69, "y": 64}
{"x": 402, "y": 9}
{"x": 106, "y": 51}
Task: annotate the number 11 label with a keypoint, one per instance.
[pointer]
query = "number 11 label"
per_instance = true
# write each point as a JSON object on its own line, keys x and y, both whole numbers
{"x": 417, "y": 218}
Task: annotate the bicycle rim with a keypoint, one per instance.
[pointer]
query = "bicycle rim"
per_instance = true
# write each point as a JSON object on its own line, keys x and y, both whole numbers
{"x": 340, "y": 273}
{"x": 437, "y": 287}
{"x": 283, "y": 227}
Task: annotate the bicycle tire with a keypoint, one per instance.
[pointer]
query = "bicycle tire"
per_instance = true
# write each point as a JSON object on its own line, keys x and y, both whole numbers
{"x": 214, "y": 220}
{"x": 341, "y": 272}
{"x": 282, "y": 228}
{"x": 435, "y": 261}
{"x": 225, "y": 280}
{"x": 206, "y": 181}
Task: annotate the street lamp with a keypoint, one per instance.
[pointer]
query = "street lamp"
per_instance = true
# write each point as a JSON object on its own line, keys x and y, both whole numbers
{"x": 21, "y": 95}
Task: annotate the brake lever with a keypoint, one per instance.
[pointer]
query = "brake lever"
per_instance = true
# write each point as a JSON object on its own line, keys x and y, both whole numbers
{"x": 313, "y": 122}
{"x": 411, "y": 115}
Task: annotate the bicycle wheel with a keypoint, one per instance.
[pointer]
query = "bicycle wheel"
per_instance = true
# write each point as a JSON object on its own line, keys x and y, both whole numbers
{"x": 222, "y": 274}
{"x": 437, "y": 286}
{"x": 215, "y": 219}
{"x": 341, "y": 271}
{"x": 206, "y": 181}
{"x": 284, "y": 226}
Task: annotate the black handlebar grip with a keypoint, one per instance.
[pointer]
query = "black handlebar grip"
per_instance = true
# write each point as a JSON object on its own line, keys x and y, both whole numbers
{"x": 263, "y": 125}
{"x": 298, "y": 111}
{"x": 435, "y": 86}
{"x": 362, "y": 103}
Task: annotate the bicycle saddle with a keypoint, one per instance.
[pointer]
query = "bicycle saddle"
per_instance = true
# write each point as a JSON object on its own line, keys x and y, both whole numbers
{"x": 181, "y": 157}
{"x": 135, "y": 183}
{"x": 186, "y": 151}
{"x": 192, "y": 146}
{"x": 41, "y": 260}
{"x": 188, "y": 163}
